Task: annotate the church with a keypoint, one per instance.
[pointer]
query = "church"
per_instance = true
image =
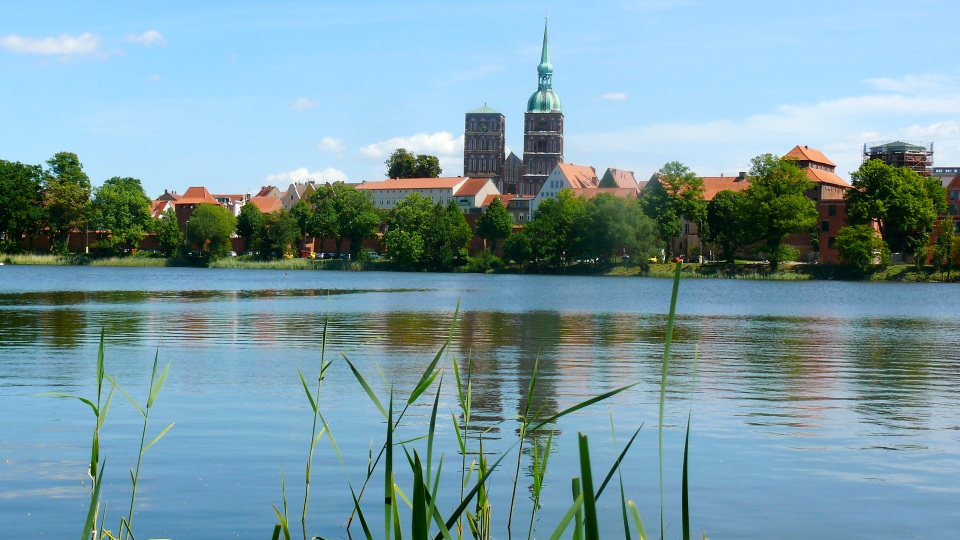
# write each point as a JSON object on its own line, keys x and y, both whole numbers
{"x": 484, "y": 141}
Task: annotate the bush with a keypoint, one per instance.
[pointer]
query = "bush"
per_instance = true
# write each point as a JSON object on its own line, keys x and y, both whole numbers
{"x": 860, "y": 248}
{"x": 484, "y": 262}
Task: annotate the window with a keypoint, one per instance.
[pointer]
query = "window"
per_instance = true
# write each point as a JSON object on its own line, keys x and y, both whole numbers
{"x": 831, "y": 242}
{"x": 832, "y": 210}
{"x": 953, "y": 195}
{"x": 825, "y": 226}
{"x": 686, "y": 228}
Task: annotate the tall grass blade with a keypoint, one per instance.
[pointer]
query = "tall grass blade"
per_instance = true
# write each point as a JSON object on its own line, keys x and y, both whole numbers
{"x": 481, "y": 480}
{"x": 359, "y": 513}
{"x": 684, "y": 488}
{"x": 616, "y": 464}
{"x": 156, "y": 385}
{"x": 668, "y": 339}
{"x": 641, "y": 532}
{"x": 157, "y": 438}
{"x": 419, "y": 510}
{"x": 432, "y": 430}
{"x": 94, "y": 505}
{"x": 306, "y": 390}
{"x": 591, "y": 527}
{"x": 573, "y": 512}
{"x": 389, "y": 504}
{"x": 581, "y": 405}
{"x": 366, "y": 387}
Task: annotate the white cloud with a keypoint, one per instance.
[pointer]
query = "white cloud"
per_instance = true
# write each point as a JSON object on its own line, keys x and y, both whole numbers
{"x": 302, "y": 174}
{"x": 330, "y": 144}
{"x": 155, "y": 78}
{"x": 65, "y": 45}
{"x": 447, "y": 148}
{"x": 440, "y": 144}
{"x": 150, "y": 37}
{"x": 920, "y": 108}
{"x": 613, "y": 96}
{"x": 302, "y": 104}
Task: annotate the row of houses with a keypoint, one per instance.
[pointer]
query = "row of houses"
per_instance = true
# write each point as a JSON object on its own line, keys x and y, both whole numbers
{"x": 473, "y": 195}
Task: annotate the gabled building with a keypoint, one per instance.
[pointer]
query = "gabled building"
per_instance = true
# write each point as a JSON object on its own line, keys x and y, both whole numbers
{"x": 566, "y": 176}
{"x": 618, "y": 178}
{"x": 468, "y": 192}
{"x": 188, "y": 202}
{"x": 828, "y": 193}
{"x": 267, "y": 205}
{"x": 472, "y": 193}
{"x": 296, "y": 192}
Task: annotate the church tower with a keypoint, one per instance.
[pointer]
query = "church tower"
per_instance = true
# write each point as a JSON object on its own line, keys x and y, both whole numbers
{"x": 542, "y": 128}
{"x": 484, "y": 142}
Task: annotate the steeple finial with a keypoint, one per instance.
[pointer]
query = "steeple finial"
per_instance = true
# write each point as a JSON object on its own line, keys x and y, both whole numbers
{"x": 545, "y": 69}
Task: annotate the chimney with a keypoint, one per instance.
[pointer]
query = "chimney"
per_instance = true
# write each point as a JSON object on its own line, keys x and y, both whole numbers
{"x": 742, "y": 175}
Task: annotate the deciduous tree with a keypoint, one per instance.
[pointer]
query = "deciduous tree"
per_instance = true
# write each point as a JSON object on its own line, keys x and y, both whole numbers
{"x": 727, "y": 216}
{"x": 279, "y": 235}
{"x": 68, "y": 195}
{"x": 859, "y": 248}
{"x": 343, "y": 213}
{"x": 169, "y": 236}
{"x": 495, "y": 223}
{"x": 403, "y": 164}
{"x": 778, "y": 205}
{"x": 122, "y": 207}
{"x": 250, "y": 225}
{"x": 675, "y": 193}
{"x": 209, "y": 230}
{"x": 21, "y": 203}
{"x": 904, "y": 204}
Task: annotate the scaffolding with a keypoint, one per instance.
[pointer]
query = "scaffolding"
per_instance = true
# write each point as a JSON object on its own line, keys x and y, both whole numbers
{"x": 912, "y": 155}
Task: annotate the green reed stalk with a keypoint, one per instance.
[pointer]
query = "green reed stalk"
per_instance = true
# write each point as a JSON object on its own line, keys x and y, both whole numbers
{"x": 668, "y": 339}
{"x": 314, "y": 435}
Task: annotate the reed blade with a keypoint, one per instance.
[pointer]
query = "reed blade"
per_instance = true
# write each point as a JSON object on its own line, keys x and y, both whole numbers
{"x": 591, "y": 526}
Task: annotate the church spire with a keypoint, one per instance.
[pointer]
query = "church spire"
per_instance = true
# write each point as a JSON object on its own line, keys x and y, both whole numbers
{"x": 545, "y": 69}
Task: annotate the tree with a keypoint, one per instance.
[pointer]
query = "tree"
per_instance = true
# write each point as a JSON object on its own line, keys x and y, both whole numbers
{"x": 858, "y": 246}
{"x": 209, "y": 230}
{"x": 405, "y": 231}
{"x": 517, "y": 247}
{"x": 168, "y": 233}
{"x": 778, "y": 205}
{"x": 904, "y": 204}
{"x": 279, "y": 234}
{"x": 68, "y": 195}
{"x": 122, "y": 207}
{"x": 946, "y": 248}
{"x": 675, "y": 193}
{"x": 250, "y": 224}
{"x": 495, "y": 223}
{"x": 302, "y": 213}
{"x": 616, "y": 224}
{"x": 446, "y": 237}
{"x": 554, "y": 229}
{"x": 726, "y": 222}
{"x": 343, "y": 213}
{"x": 21, "y": 205}
{"x": 403, "y": 164}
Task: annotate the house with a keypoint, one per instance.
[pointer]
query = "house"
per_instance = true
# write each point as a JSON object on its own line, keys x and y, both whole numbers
{"x": 387, "y": 193}
{"x": 471, "y": 195}
{"x": 233, "y": 201}
{"x": 268, "y": 204}
{"x": 188, "y": 202}
{"x": 565, "y": 176}
{"x": 297, "y": 192}
{"x": 689, "y": 240}
{"x": 269, "y": 191}
{"x": 617, "y": 178}
{"x": 828, "y": 193}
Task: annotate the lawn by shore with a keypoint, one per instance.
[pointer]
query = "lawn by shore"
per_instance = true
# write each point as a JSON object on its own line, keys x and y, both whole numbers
{"x": 741, "y": 270}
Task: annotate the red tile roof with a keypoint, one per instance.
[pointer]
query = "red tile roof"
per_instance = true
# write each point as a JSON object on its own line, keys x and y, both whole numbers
{"x": 414, "y": 183}
{"x": 504, "y": 198}
{"x": 624, "y": 179}
{"x": 715, "y": 184}
{"x": 158, "y": 207}
{"x": 472, "y": 186}
{"x": 267, "y": 204}
{"x": 196, "y": 195}
{"x": 805, "y": 153}
{"x": 579, "y": 176}
{"x": 826, "y": 177}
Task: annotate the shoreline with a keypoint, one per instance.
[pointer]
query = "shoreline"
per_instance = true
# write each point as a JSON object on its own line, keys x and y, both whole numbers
{"x": 900, "y": 273}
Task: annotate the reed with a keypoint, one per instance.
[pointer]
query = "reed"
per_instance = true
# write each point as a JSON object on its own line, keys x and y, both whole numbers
{"x": 96, "y": 507}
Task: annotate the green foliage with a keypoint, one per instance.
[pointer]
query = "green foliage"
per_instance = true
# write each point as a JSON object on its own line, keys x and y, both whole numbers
{"x": 168, "y": 233}
{"x": 517, "y": 247}
{"x": 727, "y": 217}
{"x": 422, "y": 235}
{"x": 21, "y": 206}
{"x": 616, "y": 226}
{"x": 484, "y": 262}
{"x": 209, "y": 230}
{"x": 674, "y": 193}
{"x": 946, "y": 250}
{"x": 403, "y": 164}
{"x": 778, "y": 205}
{"x": 859, "y": 247}
{"x": 904, "y": 203}
{"x": 250, "y": 226}
{"x": 556, "y": 227}
{"x": 68, "y": 194}
{"x": 122, "y": 207}
{"x": 301, "y": 212}
{"x": 279, "y": 235}
{"x": 343, "y": 213}
{"x": 496, "y": 223}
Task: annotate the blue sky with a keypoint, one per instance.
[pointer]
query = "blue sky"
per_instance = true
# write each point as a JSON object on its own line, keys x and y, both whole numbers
{"x": 236, "y": 95}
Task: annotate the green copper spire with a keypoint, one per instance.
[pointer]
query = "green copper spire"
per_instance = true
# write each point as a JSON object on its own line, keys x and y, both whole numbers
{"x": 544, "y": 100}
{"x": 545, "y": 69}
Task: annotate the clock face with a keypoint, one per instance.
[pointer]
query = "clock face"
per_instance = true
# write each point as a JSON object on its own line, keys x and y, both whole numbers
{"x": 483, "y": 127}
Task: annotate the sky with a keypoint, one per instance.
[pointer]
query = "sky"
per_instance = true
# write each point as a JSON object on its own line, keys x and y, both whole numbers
{"x": 237, "y": 95}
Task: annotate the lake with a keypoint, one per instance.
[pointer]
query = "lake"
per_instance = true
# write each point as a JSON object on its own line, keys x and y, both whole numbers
{"x": 818, "y": 409}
